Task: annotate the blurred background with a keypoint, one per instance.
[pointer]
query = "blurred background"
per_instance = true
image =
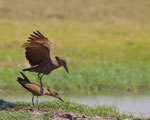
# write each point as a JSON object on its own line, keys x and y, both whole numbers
{"x": 106, "y": 43}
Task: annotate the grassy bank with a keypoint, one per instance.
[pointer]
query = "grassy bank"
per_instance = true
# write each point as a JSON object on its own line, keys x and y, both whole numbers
{"x": 49, "y": 110}
{"x": 106, "y": 44}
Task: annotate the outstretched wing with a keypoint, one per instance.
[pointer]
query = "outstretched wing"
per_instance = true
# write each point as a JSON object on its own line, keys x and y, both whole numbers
{"x": 38, "y": 49}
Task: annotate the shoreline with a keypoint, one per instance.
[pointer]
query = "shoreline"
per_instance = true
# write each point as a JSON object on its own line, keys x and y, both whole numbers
{"x": 55, "y": 109}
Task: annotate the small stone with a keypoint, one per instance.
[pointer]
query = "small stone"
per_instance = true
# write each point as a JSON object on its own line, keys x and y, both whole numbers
{"x": 67, "y": 115}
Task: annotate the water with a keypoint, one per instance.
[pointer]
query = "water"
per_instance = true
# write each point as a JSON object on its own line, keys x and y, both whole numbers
{"x": 138, "y": 106}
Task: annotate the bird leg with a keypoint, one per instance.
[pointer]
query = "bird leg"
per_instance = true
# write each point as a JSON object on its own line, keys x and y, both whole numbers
{"x": 33, "y": 100}
{"x": 41, "y": 82}
{"x": 42, "y": 75}
{"x": 37, "y": 102}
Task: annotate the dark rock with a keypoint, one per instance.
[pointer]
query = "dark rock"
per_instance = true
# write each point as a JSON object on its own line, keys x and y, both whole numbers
{"x": 5, "y": 104}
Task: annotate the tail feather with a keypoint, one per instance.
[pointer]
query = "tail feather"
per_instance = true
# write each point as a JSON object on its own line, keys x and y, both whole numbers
{"x": 32, "y": 69}
{"x": 21, "y": 81}
{"x": 25, "y": 78}
{"x": 27, "y": 69}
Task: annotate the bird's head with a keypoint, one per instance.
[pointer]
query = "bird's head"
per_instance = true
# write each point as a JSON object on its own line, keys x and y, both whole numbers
{"x": 54, "y": 94}
{"x": 62, "y": 62}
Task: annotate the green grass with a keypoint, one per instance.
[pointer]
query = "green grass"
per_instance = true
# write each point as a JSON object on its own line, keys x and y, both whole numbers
{"x": 26, "y": 110}
{"x": 106, "y": 44}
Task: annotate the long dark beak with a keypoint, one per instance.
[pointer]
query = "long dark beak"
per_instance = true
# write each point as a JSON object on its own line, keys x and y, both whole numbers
{"x": 65, "y": 66}
{"x": 60, "y": 99}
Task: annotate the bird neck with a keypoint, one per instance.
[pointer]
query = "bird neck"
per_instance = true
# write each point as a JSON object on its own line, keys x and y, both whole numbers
{"x": 50, "y": 93}
{"x": 46, "y": 92}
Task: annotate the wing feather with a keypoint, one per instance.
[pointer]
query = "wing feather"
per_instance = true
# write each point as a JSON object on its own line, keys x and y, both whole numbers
{"x": 40, "y": 33}
{"x": 38, "y": 49}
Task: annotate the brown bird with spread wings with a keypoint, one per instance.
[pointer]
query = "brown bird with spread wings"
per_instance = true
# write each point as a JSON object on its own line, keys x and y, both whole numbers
{"x": 36, "y": 89}
{"x": 39, "y": 54}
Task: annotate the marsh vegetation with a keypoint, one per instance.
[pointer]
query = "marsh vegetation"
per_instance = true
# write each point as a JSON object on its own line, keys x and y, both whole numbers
{"x": 106, "y": 44}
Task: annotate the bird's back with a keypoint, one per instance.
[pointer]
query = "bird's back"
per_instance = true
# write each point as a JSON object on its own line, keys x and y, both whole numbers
{"x": 31, "y": 87}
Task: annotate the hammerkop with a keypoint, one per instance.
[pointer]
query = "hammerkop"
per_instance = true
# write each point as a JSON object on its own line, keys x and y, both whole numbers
{"x": 39, "y": 54}
{"x": 36, "y": 89}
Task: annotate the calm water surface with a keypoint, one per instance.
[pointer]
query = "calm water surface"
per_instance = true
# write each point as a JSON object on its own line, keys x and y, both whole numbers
{"x": 138, "y": 106}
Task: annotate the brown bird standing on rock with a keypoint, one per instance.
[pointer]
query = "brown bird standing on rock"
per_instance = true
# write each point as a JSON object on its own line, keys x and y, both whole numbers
{"x": 39, "y": 54}
{"x": 36, "y": 89}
